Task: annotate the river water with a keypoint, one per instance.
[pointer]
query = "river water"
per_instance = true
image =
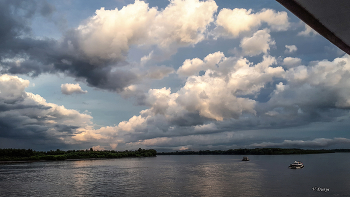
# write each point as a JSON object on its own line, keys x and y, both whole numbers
{"x": 181, "y": 175}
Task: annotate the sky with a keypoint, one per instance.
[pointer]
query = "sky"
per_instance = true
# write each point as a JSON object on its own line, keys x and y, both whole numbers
{"x": 168, "y": 75}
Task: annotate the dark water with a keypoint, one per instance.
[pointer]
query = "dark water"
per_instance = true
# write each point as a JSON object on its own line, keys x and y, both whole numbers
{"x": 211, "y": 175}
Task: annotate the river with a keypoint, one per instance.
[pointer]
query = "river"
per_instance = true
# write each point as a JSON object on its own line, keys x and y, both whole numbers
{"x": 181, "y": 175}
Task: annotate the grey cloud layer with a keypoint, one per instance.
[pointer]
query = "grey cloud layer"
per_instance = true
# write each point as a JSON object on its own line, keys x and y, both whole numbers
{"x": 220, "y": 95}
{"x": 96, "y": 50}
{"x": 219, "y": 102}
{"x": 27, "y": 116}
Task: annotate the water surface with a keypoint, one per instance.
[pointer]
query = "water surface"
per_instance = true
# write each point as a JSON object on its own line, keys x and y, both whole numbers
{"x": 180, "y": 175}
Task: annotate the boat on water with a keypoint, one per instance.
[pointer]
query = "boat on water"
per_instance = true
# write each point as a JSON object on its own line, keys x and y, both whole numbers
{"x": 245, "y": 159}
{"x": 296, "y": 165}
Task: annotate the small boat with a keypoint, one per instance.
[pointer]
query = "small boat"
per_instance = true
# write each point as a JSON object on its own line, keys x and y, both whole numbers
{"x": 296, "y": 165}
{"x": 245, "y": 159}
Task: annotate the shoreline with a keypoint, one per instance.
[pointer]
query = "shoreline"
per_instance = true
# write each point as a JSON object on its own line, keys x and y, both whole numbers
{"x": 82, "y": 159}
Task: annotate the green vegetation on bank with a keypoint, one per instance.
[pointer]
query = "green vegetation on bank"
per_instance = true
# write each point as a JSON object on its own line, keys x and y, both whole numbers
{"x": 29, "y": 154}
{"x": 256, "y": 151}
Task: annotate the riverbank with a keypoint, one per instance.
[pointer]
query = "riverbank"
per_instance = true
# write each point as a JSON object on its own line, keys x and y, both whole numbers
{"x": 255, "y": 151}
{"x": 28, "y": 155}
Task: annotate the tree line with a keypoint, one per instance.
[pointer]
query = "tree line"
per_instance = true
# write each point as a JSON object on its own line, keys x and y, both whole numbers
{"x": 29, "y": 154}
{"x": 255, "y": 151}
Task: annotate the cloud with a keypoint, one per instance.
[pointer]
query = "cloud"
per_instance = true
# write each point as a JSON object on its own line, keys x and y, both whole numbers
{"x": 159, "y": 72}
{"x": 109, "y": 34}
{"x": 205, "y": 127}
{"x": 113, "y": 146}
{"x": 217, "y": 108}
{"x": 290, "y": 48}
{"x": 237, "y": 21}
{"x": 221, "y": 108}
{"x": 316, "y": 143}
{"x": 98, "y": 148}
{"x": 146, "y": 58}
{"x": 291, "y": 62}
{"x": 194, "y": 66}
{"x": 69, "y": 89}
{"x": 218, "y": 95}
{"x": 259, "y": 43}
{"x": 313, "y": 93}
{"x": 308, "y": 31}
{"x": 96, "y": 51}
{"x": 23, "y": 54}
{"x": 223, "y": 101}
{"x": 224, "y": 139}
{"x": 183, "y": 26}
{"x": 28, "y": 116}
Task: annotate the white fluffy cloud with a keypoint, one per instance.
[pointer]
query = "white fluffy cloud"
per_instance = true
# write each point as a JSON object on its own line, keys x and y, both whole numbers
{"x": 193, "y": 66}
{"x": 290, "y": 62}
{"x": 308, "y": 31}
{"x": 98, "y": 148}
{"x": 259, "y": 43}
{"x": 214, "y": 96}
{"x": 70, "y": 88}
{"x": 313, "y": 88}
{"x": 12, "y": 87}
{"x": 109, "y": 34}
{"x": 225, "y": 98}
{"x": 183, "y": 22}
{"x": 238, "y": 20}
{"x": 290, "y": 49}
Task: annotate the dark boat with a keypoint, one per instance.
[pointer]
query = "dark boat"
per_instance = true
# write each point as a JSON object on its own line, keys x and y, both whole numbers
{"x": 245, "y": 159}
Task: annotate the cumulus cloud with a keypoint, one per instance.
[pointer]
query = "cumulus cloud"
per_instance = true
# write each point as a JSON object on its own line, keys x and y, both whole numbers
{"x": 291, "y": 62}
{"x": 222, "y": 99}
{"x": 98, "y": 148}
{"x": 218, "y": 95}
{"x": 313, "y": 93}
{"x": 185, "y": 26}
{"x": 308, "y": 31}
{"x": 290, "y": 48}
{"x": 28, "y": 116}
{"x": 159, "y": 72}
{"x": 237, "y": 21}
{"x": 221, "y": 107}
{"x": 109, "y": 34}
{"x": 259, "y": 43}
{"x": 96, "y": 50}
{"x": 70, "y": 88}
{"x": 193, "y": 66}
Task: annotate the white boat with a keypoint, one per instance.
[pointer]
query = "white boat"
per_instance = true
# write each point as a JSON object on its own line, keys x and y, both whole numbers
{"x": 296, "y": 165}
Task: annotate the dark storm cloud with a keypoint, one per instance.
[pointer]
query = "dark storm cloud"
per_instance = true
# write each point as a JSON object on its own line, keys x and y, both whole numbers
{"x": 29, "y": 117}
{"x": 37, "y": 56}
{"x": 29, "y": 121}
{"x": 7, "y": 106}
{"x": 46, "y": 9}
{"x": 189, "y": 119}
